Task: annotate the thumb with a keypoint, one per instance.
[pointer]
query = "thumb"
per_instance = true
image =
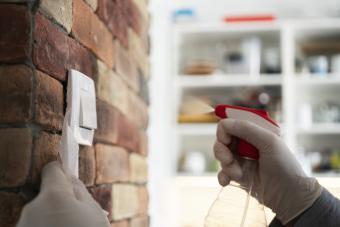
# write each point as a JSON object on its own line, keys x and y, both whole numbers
{"x": 79, "y": 190}
{"x": 55, "y": 179}
{"x": 253, "y": 134}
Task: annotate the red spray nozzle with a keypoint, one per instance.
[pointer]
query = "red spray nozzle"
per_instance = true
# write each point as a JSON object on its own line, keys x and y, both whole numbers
{"x": 259, "y": 117}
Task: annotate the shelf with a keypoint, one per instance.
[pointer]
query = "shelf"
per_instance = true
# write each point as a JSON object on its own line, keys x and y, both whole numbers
{"x": 205, "y": 174}
{"x": 312, "y": 26}
{"x": 326, "y": 175}
{"x": 320, "y": 129}
{"x": 197, "y": 128}
{"x": 315, "y": 80}
{"x": 211, "y": 181}
{"x": 221, "y": 80}
{"x": 227, "y": 28}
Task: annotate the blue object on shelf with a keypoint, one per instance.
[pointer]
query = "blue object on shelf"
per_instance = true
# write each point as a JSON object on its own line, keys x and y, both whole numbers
{"x": 183, "y": 15}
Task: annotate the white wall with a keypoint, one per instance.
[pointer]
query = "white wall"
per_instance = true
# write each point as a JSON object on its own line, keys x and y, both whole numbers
{"x": 159, "y": 166}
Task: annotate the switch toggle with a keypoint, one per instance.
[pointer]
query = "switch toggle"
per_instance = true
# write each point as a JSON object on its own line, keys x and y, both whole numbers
{"x": 88, "y": 114}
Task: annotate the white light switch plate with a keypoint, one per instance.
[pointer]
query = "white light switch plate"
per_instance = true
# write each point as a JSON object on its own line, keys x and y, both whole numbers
{"x": 81, "y": 99}
{"x": 80, "y": 119}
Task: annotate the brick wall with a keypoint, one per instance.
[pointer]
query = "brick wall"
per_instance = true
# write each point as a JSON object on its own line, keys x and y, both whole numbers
{"x": 108, "y": 41}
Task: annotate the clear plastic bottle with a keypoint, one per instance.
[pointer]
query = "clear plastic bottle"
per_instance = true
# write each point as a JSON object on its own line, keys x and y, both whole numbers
{"x": 235, "y": 205}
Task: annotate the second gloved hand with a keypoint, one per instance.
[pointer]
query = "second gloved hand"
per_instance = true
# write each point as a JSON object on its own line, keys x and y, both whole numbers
{"x": 285, "y": 187}
{"x": 63, "y": 201}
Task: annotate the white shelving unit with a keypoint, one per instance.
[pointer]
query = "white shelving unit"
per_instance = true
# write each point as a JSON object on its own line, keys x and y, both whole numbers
{"x": 320, "y": 129}
{"x": 192, "y": 81}
{"x": 295, "y": 88}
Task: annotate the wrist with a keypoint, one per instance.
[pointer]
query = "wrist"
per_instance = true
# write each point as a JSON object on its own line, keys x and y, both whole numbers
{"x": 298, "y": 199}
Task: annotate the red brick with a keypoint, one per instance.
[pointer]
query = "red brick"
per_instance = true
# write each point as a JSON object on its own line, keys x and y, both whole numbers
{"x": 123, "y": 16}
{"x": 143, "y": 9}
{"x": 107, "y": 130}
{"x": 139, "y": 53}
{"x": 114, "y": 15}
{"x": 135, "y": 17}
{"x": 10, "y": 209}
{"x": 54, "y": 52}
{"x": 140, "y": 117}
{"x": 140, "y": 24}
{"x": 15, "y": 31}
{"x": 143, "y": 196}
{"x": 51, "y": 51}
{"x": 141, "y": 221}
{"x": 112, "y": 164}
{"x": 45, "y": 150}
{"x": 91, "y": 32}
{"x": 126, "y": 67}
{"x": 49, "y": 102}
{"x": 115, "y": 128}
{"x": 106, "y": 12}
{"x": 123, "y": 223}
{"x": 15, "y": 93}
{"x": 103, "y": 195}
{"x": 79, "y": 58}
{"x": 87, "y": 165}
{"x": 128, "y": 136}
{"x": 15, "y": 156}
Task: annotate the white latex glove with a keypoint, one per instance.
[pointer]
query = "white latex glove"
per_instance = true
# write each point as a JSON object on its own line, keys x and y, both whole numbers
{"x": 63, "y": 201}
{"x": 285, "y": 187}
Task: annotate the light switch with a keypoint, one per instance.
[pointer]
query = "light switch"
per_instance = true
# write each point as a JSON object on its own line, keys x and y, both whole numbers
{"x": 80, "y": 119}
{"x": 81, "y": 100}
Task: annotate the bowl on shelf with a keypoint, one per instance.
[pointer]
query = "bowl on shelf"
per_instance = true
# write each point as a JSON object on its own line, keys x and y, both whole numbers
{"x": 199, "y": 68}
{"x": 197, "y": 118}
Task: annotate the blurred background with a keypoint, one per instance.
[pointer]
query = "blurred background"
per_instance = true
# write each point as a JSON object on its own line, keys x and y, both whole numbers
{"x": 280, "y": 56}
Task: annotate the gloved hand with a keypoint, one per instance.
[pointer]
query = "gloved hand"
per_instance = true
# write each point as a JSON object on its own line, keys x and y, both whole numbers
{"x": 285, "y": 187}
{"x": 62, "y": 202}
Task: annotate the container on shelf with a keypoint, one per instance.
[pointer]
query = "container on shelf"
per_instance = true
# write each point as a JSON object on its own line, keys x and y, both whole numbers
{"x": 271, "y": 60}
{"x": 326, "y": 160}
{"x": 335, "y": 64}
{"x": 192, "y": 162}
{"x": 235, "y": 63}
{"x": 251, "y": 49}
{"x": 184, "y": 15}
{"x": 326, "y": 112}
{"x": 317, "y": 64}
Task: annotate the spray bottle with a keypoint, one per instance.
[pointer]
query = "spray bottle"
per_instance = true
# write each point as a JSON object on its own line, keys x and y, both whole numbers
{"x": 238, "y": 204}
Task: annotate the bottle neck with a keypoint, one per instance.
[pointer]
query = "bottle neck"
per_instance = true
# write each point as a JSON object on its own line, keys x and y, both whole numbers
{"x": 249, "y": 169}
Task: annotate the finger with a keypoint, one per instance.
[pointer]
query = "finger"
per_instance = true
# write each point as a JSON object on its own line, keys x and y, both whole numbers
{"x": 222, "y": 153}
{"x": 80, "y": 190}
{"x": 233, "y": 170}
{"x": 55, "y": 179}
{"x": 221, "y": 135}
{"x": 257, "y": 136}
{"x": 223, "y": 179}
